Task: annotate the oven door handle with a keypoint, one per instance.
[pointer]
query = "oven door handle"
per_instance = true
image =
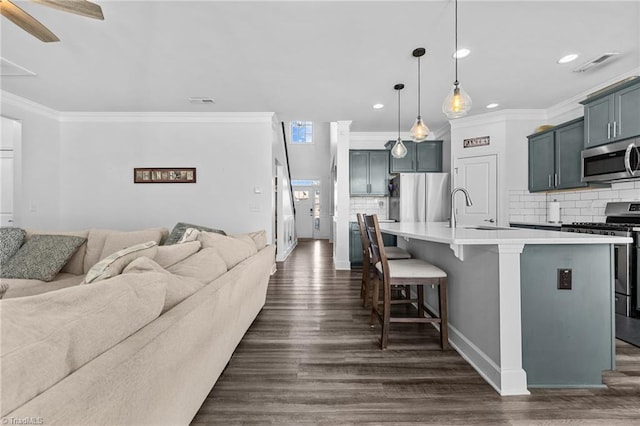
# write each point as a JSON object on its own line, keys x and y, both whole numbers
{"x": 633, "y": 171}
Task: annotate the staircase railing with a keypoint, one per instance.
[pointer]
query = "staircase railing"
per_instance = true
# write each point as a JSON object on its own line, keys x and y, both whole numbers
{"x": 286, "y": 154}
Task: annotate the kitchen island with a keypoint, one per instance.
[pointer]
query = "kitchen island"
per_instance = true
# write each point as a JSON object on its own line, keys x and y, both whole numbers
{"x": 507, "y": 315}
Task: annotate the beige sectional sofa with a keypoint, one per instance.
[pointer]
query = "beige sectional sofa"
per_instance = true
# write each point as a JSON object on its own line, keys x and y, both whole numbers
{"x": 153, "y": 371}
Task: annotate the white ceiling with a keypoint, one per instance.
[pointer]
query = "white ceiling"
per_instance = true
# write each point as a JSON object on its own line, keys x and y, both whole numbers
{"x": 318, "y": 60}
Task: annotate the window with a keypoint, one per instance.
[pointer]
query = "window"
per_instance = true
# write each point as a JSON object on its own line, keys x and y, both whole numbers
{"x": 301, "y": 132}
{"x": 305, "y": 182}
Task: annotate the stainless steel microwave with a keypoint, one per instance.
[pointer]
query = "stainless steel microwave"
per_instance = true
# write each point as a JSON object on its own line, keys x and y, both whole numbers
{"x": 620, "y": 160}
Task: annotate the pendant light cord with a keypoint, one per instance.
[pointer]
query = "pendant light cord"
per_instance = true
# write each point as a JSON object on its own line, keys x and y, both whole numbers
{"x": 456, "y": 38}
{"x": 399, "y": 113}
{"x": 419, "y": 115}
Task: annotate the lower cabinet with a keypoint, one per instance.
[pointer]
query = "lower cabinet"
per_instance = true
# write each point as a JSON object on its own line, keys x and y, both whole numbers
{"x": 355, "y": 244}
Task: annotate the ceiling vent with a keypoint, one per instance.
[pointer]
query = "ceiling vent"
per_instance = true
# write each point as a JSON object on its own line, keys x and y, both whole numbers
{"x": 199, "y": 100}
{"x": 598, "y": 60}
{"x": 9, "y": 69}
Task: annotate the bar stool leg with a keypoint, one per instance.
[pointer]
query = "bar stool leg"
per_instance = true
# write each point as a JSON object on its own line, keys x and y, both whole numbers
{"x": 386, "y": 317}
{"x": 374, "y": 301}
{"x": 421, "y": 301}
{"x": 366, "y": 282}
{"x": 444, "y": 325}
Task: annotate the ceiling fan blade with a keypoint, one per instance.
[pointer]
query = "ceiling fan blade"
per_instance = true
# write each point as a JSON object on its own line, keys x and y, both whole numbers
{"x": 79, "y": 7}
{"x": 26, "y": 21}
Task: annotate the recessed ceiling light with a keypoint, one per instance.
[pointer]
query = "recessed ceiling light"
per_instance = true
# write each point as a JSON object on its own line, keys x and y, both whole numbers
{"x": 493, "y": 105}
{"x": 461, "y": 53}
{"x": 378, "y": 106}
{"x": 568, "y": 58}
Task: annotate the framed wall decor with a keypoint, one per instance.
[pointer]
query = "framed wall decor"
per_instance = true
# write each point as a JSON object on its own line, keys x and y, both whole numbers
{"x": 164, "y": 175}
{"x": 471, "y": 142}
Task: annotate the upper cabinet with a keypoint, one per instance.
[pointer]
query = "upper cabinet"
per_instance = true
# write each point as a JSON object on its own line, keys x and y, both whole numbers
{"x": 554, "y": 157}
{"x": 612, "y": 115}
{"x": 421, "y": 157}
{"x": 368, "y": 172}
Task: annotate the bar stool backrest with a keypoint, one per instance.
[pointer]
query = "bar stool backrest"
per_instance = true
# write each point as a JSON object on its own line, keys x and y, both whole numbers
{"x": 366, "y": 246}
{"x": 375, "y": 240}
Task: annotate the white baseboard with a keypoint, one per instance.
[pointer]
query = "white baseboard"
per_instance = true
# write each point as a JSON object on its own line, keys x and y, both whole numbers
{"x": 281, "y": 257}
{"x": 274, "y": 268}
{"x": 342, "y": 265}
{"x": 488, "y": 369}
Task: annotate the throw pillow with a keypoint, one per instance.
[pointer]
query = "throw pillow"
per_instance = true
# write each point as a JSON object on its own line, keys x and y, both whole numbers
{"x": 41, "y": 257}
{"x": 113, "y": 264}
{"x": 11, "y": 239}
{"x": 181, "y": 227}
{"x": 205, "y": 266}
{"x": 232, "y": 250}
{"x": 75, "y": 265}
{"x": 170, "y": 255}
{"x": 178, "y": 288}
{"x": 191, "y": 234}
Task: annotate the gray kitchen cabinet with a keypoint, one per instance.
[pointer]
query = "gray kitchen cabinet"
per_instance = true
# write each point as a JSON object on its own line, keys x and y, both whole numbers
{"x": 421, "y": 157}
{"x": 554, "y": 157}
{"x": 355, "y": 244}
{"x": 368, "y": 172}
{"x": 612, "y": 115}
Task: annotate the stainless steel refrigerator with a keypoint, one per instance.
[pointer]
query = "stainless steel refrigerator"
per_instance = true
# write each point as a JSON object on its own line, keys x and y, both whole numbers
{"x": 419, "y": 197}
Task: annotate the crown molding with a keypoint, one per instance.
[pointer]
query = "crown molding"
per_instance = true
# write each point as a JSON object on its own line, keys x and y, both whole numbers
{"x": 572, "y": 104}
{"x": 9, "y": 98}
{"x": 496, "y": 117}
{"x": 167, "y": 117}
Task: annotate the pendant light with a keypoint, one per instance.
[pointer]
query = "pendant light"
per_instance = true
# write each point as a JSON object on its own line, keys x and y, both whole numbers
{"x": 419, "y": 131}
{"x": 458, "y": 103}
{"x": 399, "y": 150}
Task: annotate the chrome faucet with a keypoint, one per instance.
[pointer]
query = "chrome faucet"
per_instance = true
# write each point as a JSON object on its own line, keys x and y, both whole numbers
{"x": 452, "y": 217}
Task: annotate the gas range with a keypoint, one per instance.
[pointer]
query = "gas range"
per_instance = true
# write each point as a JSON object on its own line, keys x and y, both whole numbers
{"x": 623, "y": 219}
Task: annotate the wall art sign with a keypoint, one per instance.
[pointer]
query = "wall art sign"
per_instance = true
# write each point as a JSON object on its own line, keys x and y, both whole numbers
{"x": 471, "y": 142}
{"x": 164, "y": 175}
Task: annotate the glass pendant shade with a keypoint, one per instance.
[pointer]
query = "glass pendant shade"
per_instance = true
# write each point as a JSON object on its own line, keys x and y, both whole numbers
{"x": 399, "y": 150}
{"x": 419, "y": 131}
{"x": 457, "y": 104}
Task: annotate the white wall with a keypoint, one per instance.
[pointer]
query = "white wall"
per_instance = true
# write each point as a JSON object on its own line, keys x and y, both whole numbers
{"x": 286, "y": 236}
{"x": 233, "y": 191}
{"x": 342, "y": 204}
{"x": 37, "y": 163}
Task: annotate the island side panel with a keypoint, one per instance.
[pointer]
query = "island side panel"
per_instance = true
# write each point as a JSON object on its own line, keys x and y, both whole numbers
{"x": 567, "y": 335}
{"x": 473, "y": 294}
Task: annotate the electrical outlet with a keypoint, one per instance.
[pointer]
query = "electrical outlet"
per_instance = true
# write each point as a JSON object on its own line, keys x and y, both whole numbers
{"x": 564, "y": 279}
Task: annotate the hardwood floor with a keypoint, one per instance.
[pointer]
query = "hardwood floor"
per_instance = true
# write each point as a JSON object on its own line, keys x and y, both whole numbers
{"x": 311, "y": 358}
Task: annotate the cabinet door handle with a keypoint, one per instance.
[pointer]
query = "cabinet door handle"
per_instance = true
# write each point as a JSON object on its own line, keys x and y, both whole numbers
{"x": 608, "y": 130}
{"x": 549, "y": 181}
{"x": 615, "y": 129}
{"x": 555, "y": 179}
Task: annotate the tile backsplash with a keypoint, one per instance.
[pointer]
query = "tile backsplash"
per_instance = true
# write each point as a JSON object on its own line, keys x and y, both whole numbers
{"x": 585, "y": 205}
{"x": 369, "y": 205}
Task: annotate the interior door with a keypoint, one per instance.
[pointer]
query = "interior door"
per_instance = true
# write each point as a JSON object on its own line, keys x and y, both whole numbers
{"x": 478, "y": 175}
{"x": 303, "y": 197}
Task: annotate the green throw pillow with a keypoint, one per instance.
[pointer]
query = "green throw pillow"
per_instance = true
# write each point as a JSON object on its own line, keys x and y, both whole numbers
{"x": 41, "y": 257}
{"x": 178, "y": 230}
{"x": 11, "y": 239}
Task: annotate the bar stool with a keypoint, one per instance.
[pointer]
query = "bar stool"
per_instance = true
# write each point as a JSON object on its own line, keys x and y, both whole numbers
{"x": 392, "y": 253}
{"x": 406, "y": 272}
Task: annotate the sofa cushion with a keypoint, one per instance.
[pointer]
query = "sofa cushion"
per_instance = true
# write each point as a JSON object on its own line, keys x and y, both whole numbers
{"x": 113, "y": 264}
{"x": 3, "y": 289}
{"x": 170, "y": 255}
{"x": 98, "y": 249}
{"x": 48, "y": 336}
{"x": 22, "y": 288}
{"x": 259, "y": 239}
{"x": 233, "y": 250}
{"x": 75, "y": 265}
{"x": 178, "y": 287}
{"x": 11, "y": 238}
{"x": 41, "y": 257}
{"x": 205, "y": 266}
{"x": 181, "y": 227}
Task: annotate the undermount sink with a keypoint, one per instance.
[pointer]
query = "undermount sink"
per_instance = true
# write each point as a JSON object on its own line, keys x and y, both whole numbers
{"x": 488, "y": 228}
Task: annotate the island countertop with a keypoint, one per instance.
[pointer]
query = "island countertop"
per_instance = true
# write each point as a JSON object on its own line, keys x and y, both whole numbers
{"x": 469, "y": 235}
